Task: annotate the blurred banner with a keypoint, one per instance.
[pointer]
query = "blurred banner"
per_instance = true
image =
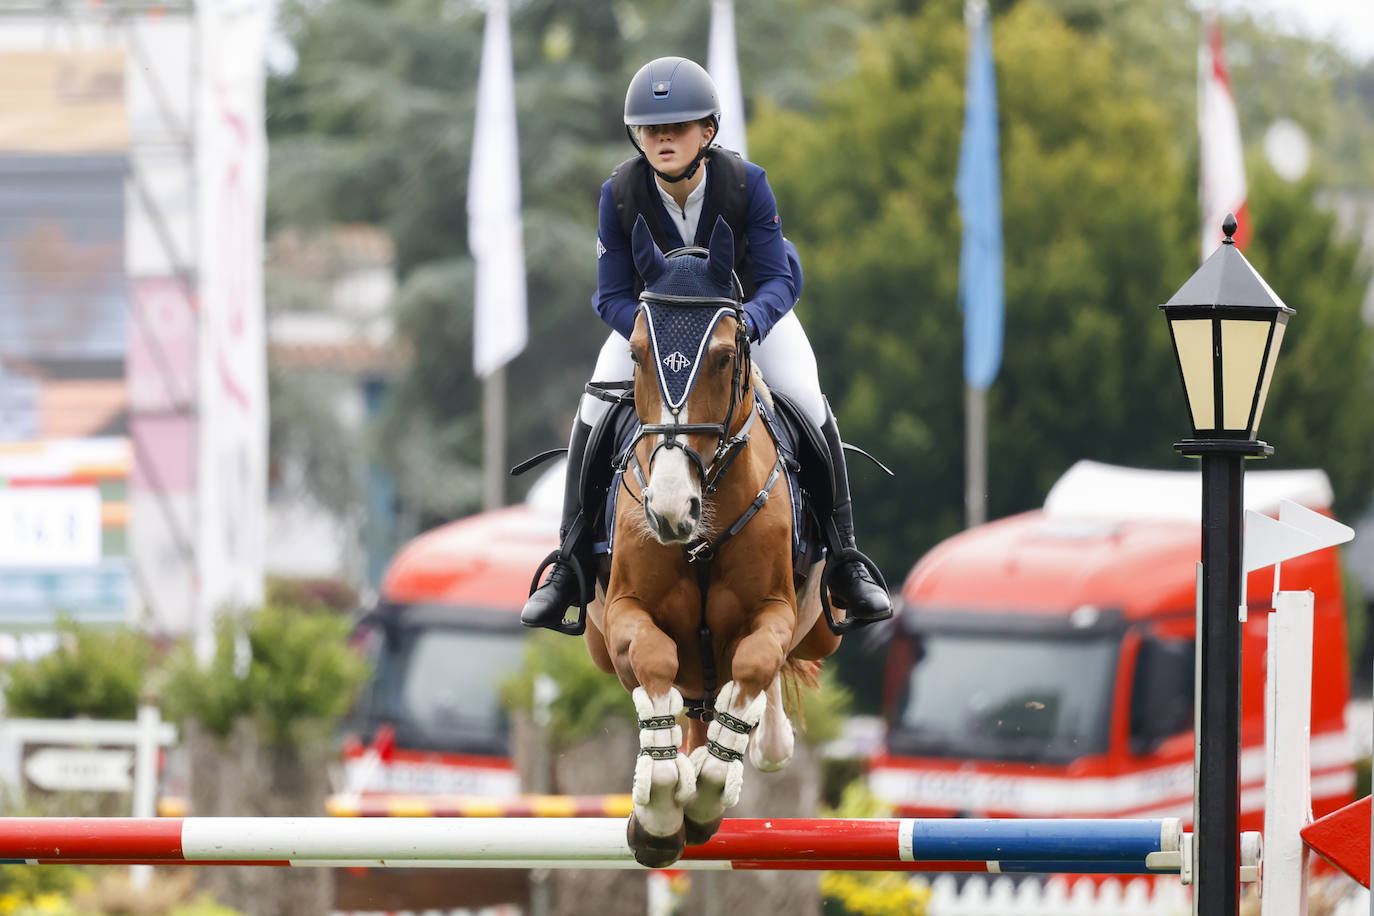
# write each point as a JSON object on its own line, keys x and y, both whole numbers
{"x": 62, "y": 518}
{"x": 500, "y": 326}
{"x": 163, "y": 331}
{"x": 64, "y": 455}
{"x": 723, "y": 64}
{"x": 1221, "y": 173}
{"x": 231, "y": 174}
{"x": 63, "y": 102}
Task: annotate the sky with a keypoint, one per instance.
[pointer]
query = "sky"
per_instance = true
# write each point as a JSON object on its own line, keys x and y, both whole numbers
{"x": 1348, "y": 23}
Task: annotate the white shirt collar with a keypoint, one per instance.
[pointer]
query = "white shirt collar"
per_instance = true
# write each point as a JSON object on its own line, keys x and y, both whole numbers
{"x": 686, "y": 218}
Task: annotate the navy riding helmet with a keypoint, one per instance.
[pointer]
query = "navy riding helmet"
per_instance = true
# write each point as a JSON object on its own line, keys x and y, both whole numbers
{"x": 670, "y": 90}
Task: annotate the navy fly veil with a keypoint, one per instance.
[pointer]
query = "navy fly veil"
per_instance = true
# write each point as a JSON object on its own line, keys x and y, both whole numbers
{"x": 686, "y": 294}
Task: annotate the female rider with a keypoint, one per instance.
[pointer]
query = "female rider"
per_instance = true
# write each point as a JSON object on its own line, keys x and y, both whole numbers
{"x": 680, "y": 183}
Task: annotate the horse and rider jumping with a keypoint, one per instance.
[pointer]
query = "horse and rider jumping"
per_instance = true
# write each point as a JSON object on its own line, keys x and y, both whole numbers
{"x": 708, "y": 568}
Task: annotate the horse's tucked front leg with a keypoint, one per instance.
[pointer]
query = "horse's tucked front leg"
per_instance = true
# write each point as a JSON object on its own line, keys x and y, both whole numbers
{"x": 646, "y": 660}
{"x": 664, "y": 779}
{"x": 719, "y": 763}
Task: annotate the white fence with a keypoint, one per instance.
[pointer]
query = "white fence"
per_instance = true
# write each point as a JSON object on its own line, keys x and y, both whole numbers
{"x": 1006, "y": 896}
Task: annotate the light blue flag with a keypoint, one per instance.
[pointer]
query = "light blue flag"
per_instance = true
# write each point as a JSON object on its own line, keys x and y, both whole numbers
{"x": 979, "y": 188}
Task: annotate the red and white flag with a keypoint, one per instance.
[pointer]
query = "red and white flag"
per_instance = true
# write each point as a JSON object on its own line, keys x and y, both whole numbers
{"x": 1221, "y": 176}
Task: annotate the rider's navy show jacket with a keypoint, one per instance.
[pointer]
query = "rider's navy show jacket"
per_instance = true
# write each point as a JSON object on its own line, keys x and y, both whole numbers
{"x": 777, "y": 292}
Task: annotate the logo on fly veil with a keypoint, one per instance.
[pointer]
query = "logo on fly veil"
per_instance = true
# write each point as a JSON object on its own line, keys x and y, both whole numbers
{"x": 676, "y": 361}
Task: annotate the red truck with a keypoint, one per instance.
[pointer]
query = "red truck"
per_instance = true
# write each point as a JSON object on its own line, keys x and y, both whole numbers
{"x": 444, "y": 633}
{"x": 1043, "y": 664}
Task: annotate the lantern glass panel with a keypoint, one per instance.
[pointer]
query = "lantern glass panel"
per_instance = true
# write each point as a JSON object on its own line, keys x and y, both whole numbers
{"x": 1279, "y": 328}
{"x": 1193, "y": 342}
{"x": 1242, "y": 358}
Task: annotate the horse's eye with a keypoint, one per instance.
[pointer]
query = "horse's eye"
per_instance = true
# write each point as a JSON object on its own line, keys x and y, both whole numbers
{"x": 724, "y": 361}
{"x": 634, "y": 357}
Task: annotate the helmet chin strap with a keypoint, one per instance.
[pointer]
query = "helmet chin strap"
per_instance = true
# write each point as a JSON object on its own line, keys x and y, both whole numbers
{"x": 671, "y": 179}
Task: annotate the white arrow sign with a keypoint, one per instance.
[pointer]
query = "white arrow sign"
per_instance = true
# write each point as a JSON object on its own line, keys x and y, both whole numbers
{"x": 77, "y": 769}
{"x": 1297, "y": 531}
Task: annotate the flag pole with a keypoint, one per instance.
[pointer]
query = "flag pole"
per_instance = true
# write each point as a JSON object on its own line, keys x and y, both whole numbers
{"x": 975, "y": 456}
{"x": 494, "y": 439}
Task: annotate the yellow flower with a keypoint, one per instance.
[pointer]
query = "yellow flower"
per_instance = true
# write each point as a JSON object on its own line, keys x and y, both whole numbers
{"x": 49, "y": 903}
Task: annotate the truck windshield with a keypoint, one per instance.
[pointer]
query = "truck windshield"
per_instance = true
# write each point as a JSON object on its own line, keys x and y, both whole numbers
{"x": 1002, "y": 697}
{"x": 440, "y": 687}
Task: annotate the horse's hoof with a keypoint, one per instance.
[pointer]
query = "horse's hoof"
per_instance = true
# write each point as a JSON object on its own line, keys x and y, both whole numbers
{"x": 653, "y": 851}
{"x": 696, "y": 834}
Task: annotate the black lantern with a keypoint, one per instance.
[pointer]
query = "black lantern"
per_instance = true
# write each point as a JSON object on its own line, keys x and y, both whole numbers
{"x": 1227, "y": 326}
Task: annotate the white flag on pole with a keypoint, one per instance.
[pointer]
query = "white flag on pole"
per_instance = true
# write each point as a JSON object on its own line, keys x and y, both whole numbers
{"x": 723, "y": 64}
{"x": 500, "y": 327}
{"x": 1221, "y": 176}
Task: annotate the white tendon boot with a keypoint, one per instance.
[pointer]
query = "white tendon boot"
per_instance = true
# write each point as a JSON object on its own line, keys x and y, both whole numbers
{"x": 719, "y": 763}
{"x": 664, "y": 779}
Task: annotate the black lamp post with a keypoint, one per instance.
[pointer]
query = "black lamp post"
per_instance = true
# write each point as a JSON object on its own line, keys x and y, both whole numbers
{"x": 1226, "y": 325}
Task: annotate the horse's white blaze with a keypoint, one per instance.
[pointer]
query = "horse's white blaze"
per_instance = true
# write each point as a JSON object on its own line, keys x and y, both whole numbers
{"x": 672, "y": 483}
{"x": 773, "y": 742}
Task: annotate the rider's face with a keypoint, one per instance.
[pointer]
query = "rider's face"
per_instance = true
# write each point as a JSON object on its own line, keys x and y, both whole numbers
{"x": 672, "y": 147}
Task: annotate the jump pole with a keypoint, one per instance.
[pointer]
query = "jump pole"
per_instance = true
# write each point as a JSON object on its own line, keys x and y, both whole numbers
{"x": 1136, "y": 846}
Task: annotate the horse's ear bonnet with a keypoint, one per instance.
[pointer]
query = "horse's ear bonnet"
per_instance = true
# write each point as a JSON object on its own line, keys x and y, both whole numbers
{"x": 720, "y": 262}
{"x": 649, "y": 261}
{"x": 685, "y": 294}
{"x": 687, "y": 273}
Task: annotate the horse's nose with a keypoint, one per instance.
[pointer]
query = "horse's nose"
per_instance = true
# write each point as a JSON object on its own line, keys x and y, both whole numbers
{"x": 665, "y": 529}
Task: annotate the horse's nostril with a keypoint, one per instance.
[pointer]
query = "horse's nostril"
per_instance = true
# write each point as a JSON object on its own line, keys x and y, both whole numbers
{"x": 694, "y": 507}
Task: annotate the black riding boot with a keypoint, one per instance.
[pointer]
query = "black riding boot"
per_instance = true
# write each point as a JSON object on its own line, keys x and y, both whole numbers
{"x": 571, "y": 563}
{"x": 852, "y": 586}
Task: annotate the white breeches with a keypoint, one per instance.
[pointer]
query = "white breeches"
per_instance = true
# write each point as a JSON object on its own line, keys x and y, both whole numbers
{"x": 784, "y": 356}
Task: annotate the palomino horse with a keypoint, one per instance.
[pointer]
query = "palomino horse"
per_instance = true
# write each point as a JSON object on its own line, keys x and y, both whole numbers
{"x": 701, "y": 576}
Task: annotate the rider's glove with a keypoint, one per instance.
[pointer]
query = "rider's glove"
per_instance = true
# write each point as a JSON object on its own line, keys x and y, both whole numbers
{"x": 752, "y": 328}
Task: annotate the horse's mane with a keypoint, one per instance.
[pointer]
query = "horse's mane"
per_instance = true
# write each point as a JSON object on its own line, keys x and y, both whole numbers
{"x": 761, "y": 387}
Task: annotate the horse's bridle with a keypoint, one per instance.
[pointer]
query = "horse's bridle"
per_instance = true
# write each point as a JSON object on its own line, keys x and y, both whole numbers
{"x": 728, "y": 445}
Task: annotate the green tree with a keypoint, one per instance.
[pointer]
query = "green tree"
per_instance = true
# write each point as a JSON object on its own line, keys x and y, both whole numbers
{"x": 93, "y": 672}
{"x": 1099, "y": 225}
